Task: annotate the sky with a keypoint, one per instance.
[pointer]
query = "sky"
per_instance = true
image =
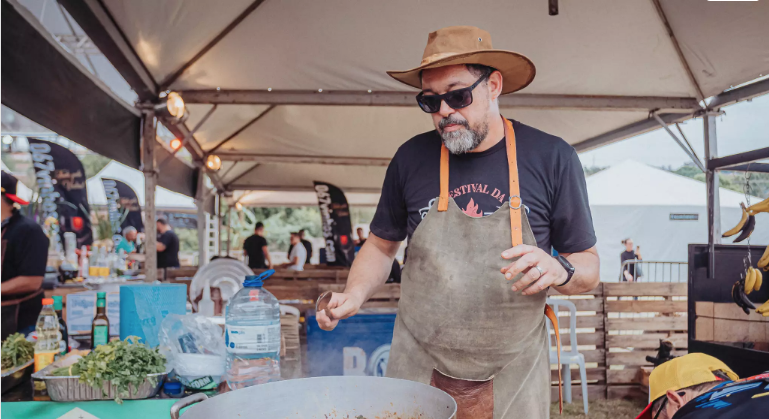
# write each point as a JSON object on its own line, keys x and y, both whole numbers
{"x": 745, "y": 126}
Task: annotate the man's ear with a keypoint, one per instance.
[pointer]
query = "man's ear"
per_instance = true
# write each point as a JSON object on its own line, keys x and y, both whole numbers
{"x": 495, "y": 85}
{"x": 674, "y": 400}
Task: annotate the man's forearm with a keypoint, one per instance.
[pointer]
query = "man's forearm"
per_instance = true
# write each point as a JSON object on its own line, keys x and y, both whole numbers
{"x": 371, "y": 267}
{"x": 22, "y": 285}
{"x": 586, "y": 272}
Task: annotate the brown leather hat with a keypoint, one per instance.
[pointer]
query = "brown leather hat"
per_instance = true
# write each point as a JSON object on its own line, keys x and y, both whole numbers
{"x": 469, "y": 45}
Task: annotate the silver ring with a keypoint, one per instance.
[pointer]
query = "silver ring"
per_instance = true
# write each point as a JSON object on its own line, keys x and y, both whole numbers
{"x": 541, "y": 272}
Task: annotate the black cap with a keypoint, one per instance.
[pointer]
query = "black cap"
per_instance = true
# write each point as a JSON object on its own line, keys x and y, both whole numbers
{"x": 9, "y": 188}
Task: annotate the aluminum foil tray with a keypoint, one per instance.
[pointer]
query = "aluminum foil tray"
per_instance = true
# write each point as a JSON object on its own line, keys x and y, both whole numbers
{"x": 69, "y": 389}
{"x": 13, "y": 376}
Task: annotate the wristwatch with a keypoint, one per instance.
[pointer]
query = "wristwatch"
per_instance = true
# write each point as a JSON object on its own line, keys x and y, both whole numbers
{"x": 566, "y": 265}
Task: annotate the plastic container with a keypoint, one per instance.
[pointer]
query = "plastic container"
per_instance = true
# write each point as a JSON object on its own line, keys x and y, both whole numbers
{"x": 173, "y": 389}
{"x": 252, "y": 335}
{"x": 206, "y": 305}
{"x": 359, "y": 345}
{"x": 47, "y": 330}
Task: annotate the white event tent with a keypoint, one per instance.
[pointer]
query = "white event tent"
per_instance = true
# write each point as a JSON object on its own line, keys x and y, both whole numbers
{"x": 634, "y": 200}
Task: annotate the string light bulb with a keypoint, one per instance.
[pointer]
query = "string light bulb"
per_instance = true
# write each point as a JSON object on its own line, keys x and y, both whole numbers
{"x": 213, "y": 162}
{"x": 176, "y": 144}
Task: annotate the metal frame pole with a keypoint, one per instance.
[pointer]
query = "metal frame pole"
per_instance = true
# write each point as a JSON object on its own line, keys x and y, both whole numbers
{"x": 201, "y": 213}
{"x": 220, "y": 222}
{"x": 150, "y": 183}
{"x": 229, "y": 229}
{"x": 711, "y": 180}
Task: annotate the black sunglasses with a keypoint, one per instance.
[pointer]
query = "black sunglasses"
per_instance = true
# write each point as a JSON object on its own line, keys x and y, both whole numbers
{"x": 456, "y": 99}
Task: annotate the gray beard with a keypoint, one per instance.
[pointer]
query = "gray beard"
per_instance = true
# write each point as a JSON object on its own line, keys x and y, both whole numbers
{"x": 465, "y": 140}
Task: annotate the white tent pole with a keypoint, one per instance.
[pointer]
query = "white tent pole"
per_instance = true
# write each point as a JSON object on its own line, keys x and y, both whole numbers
{"x": 201, "y": 204}
{"x": 711, "y": 179}
{"x": 229, "y": 229}
{"x": 150, "y": 183}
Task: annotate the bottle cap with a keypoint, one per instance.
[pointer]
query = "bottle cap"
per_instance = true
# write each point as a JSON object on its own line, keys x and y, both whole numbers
{"x": 47, "y": 301}
{"x": 257, "y": 280}
{"x": 57, "y": 302}
{"x": 101, "y": 295}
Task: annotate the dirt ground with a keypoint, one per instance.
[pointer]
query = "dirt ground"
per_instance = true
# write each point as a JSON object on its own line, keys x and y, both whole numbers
{"x": 598, "y": 409}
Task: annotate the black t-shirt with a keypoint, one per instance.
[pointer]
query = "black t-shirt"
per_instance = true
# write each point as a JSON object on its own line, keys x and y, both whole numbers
{"x": 628, "y": 255}
{"x": 24, "y": 253}
{"x": 253, "y": 246}
{"x": 169, "y": 258}
{"x": 552, "y": 183}
{"x": 742, "y": 399}
{"x": 308, "y": 246}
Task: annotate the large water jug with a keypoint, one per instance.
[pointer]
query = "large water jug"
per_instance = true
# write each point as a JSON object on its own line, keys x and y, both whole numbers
{"x": 252, "y": 335}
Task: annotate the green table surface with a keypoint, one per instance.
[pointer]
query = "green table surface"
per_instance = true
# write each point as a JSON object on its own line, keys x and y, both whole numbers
{"x": 130, "y": 409}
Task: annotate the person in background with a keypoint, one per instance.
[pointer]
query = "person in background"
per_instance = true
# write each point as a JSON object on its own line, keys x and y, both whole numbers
{"x": 167, "y": 246}
{"x": 297, "y": 256}
{"x": 699, "y": 386}
{"x": 256, "y": 249}
{"x": 128, "y": 244}
{"x": 24, "y": 256}
{"x": 629, "y": 271}
{"x": 361, "y": 237}
{"x": 307, "y": 246}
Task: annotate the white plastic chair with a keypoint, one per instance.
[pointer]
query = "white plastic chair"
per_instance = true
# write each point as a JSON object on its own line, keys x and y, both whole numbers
{"x": 572, "y": 356}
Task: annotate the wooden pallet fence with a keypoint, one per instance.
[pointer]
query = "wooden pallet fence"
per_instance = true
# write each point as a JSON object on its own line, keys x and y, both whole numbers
{"x": 637, "y": 317}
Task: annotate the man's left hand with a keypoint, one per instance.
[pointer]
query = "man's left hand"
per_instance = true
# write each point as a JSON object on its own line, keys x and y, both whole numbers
{"x": 552, "y": 272}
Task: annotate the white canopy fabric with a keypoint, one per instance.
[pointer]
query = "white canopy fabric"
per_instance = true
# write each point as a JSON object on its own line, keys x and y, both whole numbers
{"x": 297, "y": 199}
{"x": 165, "y": 200}
{"x": 633, "y": 200}
{"x": 299, "y": 82}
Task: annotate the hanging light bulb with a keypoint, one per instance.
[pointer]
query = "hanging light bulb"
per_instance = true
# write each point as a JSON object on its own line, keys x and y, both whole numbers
{"x": 7, "y": 140}
{"x": 239, "y": 206}
{"x": 213, "y": 162}
{"x": 172, "y": 107}
{"x": 176, "y": 144}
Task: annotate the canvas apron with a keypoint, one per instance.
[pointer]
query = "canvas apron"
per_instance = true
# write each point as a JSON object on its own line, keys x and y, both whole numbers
{"x": 460, "y": 327}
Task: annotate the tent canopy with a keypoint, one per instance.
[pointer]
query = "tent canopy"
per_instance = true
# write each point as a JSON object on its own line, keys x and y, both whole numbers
{"x": 292, "y": 92}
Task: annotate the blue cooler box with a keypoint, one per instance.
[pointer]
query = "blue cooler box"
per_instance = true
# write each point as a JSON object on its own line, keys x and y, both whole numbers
{"x": 359, "y": 345}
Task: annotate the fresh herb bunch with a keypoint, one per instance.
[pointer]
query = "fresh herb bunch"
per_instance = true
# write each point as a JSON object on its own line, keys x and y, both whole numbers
{"x": 122, "y": 363}
{"x": 17, "y": 350}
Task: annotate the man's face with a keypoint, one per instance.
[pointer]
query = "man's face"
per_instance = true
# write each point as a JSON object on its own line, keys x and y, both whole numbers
{"x": 294, "y": 239}
{"x": 131, "y": 237}
{"x": 462, "y": 130}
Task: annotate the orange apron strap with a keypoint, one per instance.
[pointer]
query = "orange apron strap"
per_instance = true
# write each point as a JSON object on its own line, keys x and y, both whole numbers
{"x": 553, "y": 319}
{"x": 515, "y": 202}
{"x": 443, "y": 199}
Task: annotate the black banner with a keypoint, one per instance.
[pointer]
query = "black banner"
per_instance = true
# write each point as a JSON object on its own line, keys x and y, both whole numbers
{"x": 61, "y": 185}
{"x": 123, "y": 206}
{"x": 336, "y": 225}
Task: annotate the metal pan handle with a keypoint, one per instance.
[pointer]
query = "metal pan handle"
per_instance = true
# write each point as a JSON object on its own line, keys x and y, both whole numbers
{"x": 187, "y": 401}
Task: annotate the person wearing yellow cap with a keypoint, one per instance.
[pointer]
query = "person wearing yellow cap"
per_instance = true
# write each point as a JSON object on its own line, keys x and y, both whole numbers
{"x": 24, "y": 256}
{"x": 699, "y": 386}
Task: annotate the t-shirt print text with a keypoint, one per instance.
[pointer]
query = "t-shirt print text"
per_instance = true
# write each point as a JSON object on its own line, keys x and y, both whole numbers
{"x": 475, "y": 199}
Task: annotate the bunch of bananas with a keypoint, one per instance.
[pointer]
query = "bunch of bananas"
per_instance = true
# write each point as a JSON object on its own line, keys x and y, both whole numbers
{"x": 753, "y": 280}
{"x": 748, "y": 221}
{"x": 739, "y": 297}
{"x": 763, "y": 263}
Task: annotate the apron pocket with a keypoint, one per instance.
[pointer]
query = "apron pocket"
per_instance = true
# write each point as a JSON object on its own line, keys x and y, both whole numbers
{"x": 475, "y": 399}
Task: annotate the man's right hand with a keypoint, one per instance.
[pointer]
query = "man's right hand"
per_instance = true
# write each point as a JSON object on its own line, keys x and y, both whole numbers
{"x": 342, "y": 306}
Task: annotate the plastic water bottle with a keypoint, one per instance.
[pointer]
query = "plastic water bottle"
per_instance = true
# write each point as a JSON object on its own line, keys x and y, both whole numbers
{"x": 252, "y": 335}
{"x": 47, "y": 330}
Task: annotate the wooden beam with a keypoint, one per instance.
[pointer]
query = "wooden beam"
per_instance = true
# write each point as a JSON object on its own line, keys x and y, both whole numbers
{"x": 407, "y": 98}
{"x": 275, "y": 158}
{"x": 649, "y": 323}
{"x": 150, "y": 184}
{"x": 635, "y": 289}
{"x": 293, "y": 188}
{"x": 637, "y": 306}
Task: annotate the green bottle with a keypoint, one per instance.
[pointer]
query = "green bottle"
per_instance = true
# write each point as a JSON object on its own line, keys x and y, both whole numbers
{"x": 100, "y": 324}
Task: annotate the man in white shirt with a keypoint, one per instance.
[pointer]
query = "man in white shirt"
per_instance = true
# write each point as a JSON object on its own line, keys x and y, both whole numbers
{"x": 298, "y": 255}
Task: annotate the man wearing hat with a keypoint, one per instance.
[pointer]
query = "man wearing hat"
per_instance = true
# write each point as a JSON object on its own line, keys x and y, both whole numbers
{"x": 24, "y": 256}
{"x": 483, "y": 201}
{"x": 698, "y": 386}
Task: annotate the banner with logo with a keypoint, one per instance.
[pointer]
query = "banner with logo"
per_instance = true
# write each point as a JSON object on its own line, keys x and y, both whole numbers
{"x": 336, "y": 225}
{"x": 62, "y": 189}
{"x": 123, "y": 207}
